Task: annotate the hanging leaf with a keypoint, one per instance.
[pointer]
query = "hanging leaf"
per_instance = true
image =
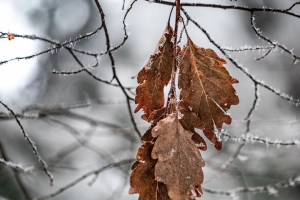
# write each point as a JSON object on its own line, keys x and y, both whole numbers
{"x": 155, "y": 76}
{"x": 169, "y": 164}
{"x": 179, "y": 164}
{"x": 142, "y": 179}
{"x": 206, "y": 88}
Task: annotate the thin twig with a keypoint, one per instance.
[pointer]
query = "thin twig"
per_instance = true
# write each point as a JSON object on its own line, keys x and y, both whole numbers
{"x": 124, "y": 28}
{"x": 172, "y": 93}
{"x": 95, "y": 172}
{"x": 247, "y": 48}
{"x": 15, "y": 166}
{"x": 123, "y": 5}
{"x": 255, "y": 138}
{"x": 232, "y": 7}
{"x": 226, "y": 165}
{"x": 265, "y": 55}
{"x": 113, "y": 67}
{"x": 16, "y": 175}
{"x": 260, "y": 189}
{"x": 275, "y": 44}
{"x": 74, "y": 72}
{"x": 255, "y": 101}
{"x": 31, "y": 144}
{"x": 182, "y": 30}
{"x": 56, "y": 45}
{"x": 292, "y": 6}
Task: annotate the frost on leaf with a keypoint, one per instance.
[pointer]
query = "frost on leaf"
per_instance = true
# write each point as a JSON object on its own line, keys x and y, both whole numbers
{"x": 206, "y": 88}
{"x": 142, "y": 179}
{"x": 155, "y": 76}
{"x": 179, "y": 162}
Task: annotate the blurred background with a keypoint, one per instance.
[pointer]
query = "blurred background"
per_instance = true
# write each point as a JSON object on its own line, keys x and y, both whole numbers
{"x": 80, "y": 124}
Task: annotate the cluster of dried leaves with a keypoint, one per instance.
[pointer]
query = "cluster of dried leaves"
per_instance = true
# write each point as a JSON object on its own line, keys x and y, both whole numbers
{"x": 169, "y": 164}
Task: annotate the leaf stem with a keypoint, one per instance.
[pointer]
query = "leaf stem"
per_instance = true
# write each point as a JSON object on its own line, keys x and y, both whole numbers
{"x": 172, "y": 93}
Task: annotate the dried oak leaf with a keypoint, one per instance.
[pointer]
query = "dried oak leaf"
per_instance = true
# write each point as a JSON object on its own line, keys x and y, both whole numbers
{"x": 179, "y": 164}
{"x": 189, "y": 121}
{"x": 155, "y": 76}
{"x": 154, "y": 117}
{"x": 142, "y": 179}
{"x": 206, "y": 88}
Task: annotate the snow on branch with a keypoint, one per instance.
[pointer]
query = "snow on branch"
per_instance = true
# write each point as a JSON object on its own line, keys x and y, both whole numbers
{"x": 255, "y": 138}
{"x": 270, "y": 189}
{"x": 32, "y": 145}
{"x": 15, "y": 166}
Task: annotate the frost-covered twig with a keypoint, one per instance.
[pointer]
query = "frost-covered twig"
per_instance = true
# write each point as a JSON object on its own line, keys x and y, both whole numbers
{"x": 275, "y": 44}
{"x": 32, "y": 145}
{"x": 124, "y": 26}
{"x": 247, "y": 48}
{"x": 233, "y": 7}
{"x": 74, "y": 72}
{"x": 16, "y": 174}
{"x": 81, "y": 141}
{"x": 264, "y": 55}
{"x": 270, "y": 189}
{"x": 95, "y": 172}
{"x": 99, "y": 79}
{"x": 19, "y": 167}
{"x": 225, "y": 166}
{"x": 254, "y": 138}
{"x": 55, "y": 45}
{"x": 112, "y": 61}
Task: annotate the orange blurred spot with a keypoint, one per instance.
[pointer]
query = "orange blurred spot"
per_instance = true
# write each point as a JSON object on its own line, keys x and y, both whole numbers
{"x": 10, "y": 36}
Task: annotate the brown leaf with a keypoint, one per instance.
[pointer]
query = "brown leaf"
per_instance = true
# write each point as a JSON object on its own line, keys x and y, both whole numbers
{"x": 142, "y": 179}
{"x": 206, "y": 88}
{"x": 155, "y": 76}
{"x": 157, "y": 115}
{"x": 189, "y": 121}
{"x": 154, "y": 118}
{"x": 147, "y": 137}
{"x": 179, "y": 164}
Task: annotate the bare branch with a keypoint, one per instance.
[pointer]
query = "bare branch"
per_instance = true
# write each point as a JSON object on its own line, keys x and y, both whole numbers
{"x": 292, "y": 6}
{"x": 113, "y": 66}
{"x": 95, "y": 172}
{"x": 16, "y": 175}
{"x": 247, "y": 48}
{"x": 232, "y": 7}
{"x": 31, "y": 143}
{"x": 275, "y": 44}
{"x": 226, "y": 165}
{"x": 73, "y": 72}
{"x": 271, "y": 189}
{"x": 255, "y": 138}
{"x": 15, "y": 166}
{"x": 255, "y": 101}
